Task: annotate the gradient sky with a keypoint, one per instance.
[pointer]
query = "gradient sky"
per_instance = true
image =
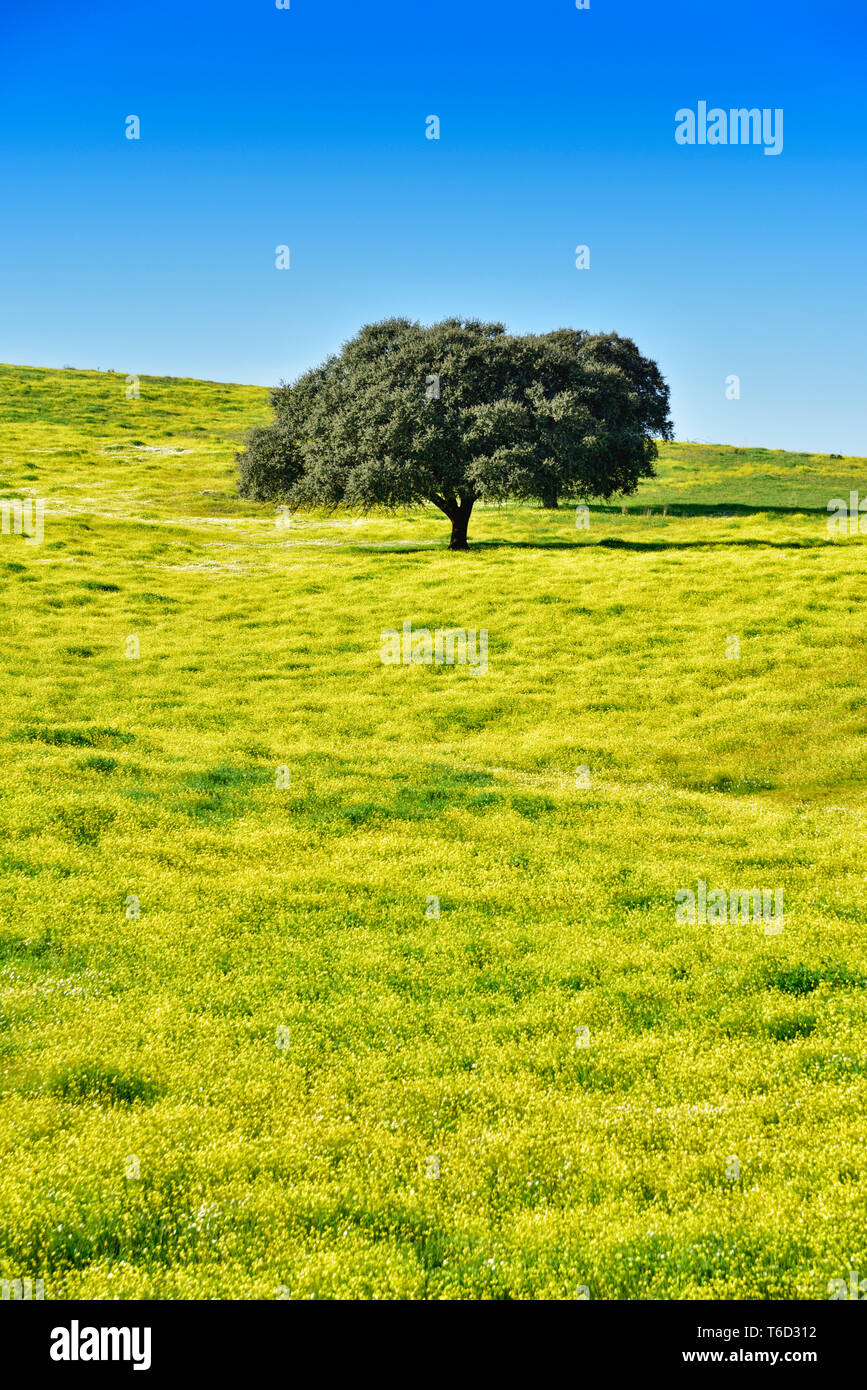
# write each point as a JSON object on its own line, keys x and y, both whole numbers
{"x": 306, "y": 126}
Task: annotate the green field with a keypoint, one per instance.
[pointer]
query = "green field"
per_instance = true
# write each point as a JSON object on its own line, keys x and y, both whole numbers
{"x": 284, "y": 1077}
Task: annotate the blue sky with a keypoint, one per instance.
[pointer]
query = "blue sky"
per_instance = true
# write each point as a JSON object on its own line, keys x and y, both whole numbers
{"x": 306, "y": 127}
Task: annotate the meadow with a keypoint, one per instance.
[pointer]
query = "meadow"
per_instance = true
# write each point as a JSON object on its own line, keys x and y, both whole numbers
{"x": 242, "y": 1057}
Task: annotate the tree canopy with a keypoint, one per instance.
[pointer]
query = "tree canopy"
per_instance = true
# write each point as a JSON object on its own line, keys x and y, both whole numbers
{"x": 461, "y": 410}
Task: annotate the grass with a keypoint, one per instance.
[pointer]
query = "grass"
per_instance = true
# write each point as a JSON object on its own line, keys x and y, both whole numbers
{"x": 330, "y": 1092}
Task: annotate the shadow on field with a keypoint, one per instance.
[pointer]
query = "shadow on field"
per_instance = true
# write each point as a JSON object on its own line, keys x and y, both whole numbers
{"x": 615, "y": 543}
{"x": 607, "y": 543}
{"x": 720, "y": 510}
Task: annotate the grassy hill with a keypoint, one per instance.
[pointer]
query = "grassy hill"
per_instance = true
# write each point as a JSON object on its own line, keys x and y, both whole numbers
{"x": 239, "y": 1056}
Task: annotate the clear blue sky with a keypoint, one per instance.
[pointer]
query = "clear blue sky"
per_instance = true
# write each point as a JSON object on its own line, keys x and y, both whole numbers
{"x": 306, "y": 127}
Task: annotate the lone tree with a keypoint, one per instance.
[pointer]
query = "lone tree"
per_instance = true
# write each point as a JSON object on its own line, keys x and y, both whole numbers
{"x": 458, "y": 411}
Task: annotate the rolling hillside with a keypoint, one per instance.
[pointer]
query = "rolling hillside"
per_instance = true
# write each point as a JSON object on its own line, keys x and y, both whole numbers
{"x": 326, "y": 978}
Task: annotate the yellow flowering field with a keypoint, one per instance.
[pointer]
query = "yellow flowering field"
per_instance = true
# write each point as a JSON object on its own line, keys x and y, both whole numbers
{"x": 323, "y": 977}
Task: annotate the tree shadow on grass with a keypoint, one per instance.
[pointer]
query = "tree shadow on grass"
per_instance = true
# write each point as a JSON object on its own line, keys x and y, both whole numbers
{"x": 749, "y": 543}
{"x": 720, "y": 510}
{"x": 607, "y": 543}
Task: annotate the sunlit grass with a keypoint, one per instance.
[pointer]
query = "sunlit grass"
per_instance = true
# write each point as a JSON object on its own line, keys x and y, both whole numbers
{"x": 286, "y": 1043}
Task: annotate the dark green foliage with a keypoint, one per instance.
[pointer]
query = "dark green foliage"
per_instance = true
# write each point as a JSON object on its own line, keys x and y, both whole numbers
{"x": 458, "y": 411}
{"x": 598, "y": 407}
{"x": 270, "y": 465}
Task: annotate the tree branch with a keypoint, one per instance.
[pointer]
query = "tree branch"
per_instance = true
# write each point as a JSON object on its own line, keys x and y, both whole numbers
{"x": 448, "y": 505}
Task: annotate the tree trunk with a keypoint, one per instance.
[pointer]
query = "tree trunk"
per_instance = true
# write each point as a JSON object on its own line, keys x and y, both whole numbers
{"x": 550, "y": 501}
{"x": 460, "y": 519}
{"x": 458, "y": 514}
